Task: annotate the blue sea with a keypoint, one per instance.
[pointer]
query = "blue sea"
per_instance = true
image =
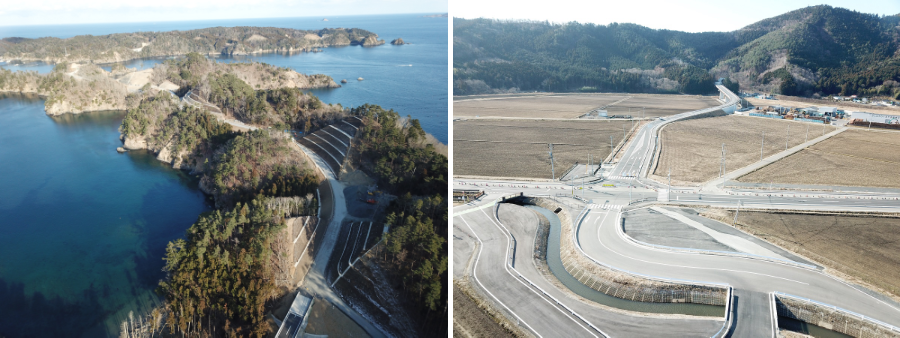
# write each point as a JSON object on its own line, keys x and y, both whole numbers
{"x": 411, "y": 79}
{"x": 83, "y": 229}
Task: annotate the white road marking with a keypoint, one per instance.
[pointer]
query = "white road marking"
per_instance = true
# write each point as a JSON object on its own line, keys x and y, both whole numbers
{"x": 684, "y": 266}
{"x": 475, "y": 276}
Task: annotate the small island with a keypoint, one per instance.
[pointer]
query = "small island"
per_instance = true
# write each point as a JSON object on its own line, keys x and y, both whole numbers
{"x": 398, "y": 42}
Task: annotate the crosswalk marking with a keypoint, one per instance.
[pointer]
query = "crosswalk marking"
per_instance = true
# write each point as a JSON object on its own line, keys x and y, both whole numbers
{"x": 605, "y": 206}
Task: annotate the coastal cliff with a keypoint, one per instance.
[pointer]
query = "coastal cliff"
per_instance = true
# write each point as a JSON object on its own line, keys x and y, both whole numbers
{"x": 78, "y": 88}
{"x": 208, "y": 41}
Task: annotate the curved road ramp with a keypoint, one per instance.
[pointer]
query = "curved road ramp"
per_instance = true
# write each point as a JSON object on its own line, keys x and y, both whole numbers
{"x": 333, "y": 142}
{"x": 504, "y": 273}
{"x": 619, "y": 283}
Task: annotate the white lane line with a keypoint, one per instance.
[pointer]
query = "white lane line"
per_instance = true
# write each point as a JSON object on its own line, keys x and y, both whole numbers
{"x": 355, "y": 243}
{"x": 506, "y": 267}
{"x": 682, "y": 266}
{"x": 345, "y": 247}
{"x": 475, "y": 276}
{"x": 308, "y": 242}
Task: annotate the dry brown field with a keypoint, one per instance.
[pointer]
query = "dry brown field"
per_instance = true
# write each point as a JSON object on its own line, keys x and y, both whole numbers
{"x": 693, "y": 148}
{"x": 856, "y": 158}
{"x": 661, "y": 105}
{"x": 574, "y": 105}
{"x": 539, "y": 106}
{"x": 862, "y": 247}
{"x": 518, "y": 148}
{"x": 471, "y": 321}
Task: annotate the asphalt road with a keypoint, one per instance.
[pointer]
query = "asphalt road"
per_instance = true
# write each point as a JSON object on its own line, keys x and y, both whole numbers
{"x": 602, "y": 240}
{"x": 531, "y": 301}
{"x": 333, "y": 211}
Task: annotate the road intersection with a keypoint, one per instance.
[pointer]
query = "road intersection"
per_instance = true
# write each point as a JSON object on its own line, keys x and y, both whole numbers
{"x": 541, "y": 306}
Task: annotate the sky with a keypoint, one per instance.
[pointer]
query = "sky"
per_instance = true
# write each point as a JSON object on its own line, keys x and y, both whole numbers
{"x": 682, "y": 15}
{"x": 47, "y": 12}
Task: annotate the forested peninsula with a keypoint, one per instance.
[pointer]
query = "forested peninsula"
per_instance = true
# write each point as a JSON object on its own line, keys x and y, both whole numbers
{"x": 211, "y": 41}
{"x": 229, "y": 269}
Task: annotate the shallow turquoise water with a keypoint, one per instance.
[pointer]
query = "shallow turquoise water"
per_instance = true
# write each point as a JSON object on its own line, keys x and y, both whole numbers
{"x": 82, "y": 227}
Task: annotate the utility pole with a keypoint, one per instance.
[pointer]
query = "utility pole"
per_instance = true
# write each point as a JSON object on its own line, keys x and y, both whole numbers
{"x": 669, "y": 190}
{"x": 552, "y": 169}
{"x": 787, "y": 137}
{"x": 722, "y": 162}
{"x": 733, "y": 223}
{"x": 611, "y": 157}
{"x": 623, "y": 133}
{"x": 807, "y": 134}
{"x": 762, "y": 145}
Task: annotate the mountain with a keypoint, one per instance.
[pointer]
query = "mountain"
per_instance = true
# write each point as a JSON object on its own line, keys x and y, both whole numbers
{"x": 815, "y": 50}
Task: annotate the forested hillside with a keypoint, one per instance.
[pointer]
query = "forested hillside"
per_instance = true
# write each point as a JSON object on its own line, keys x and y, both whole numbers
{"x": 396, "y": 152}
{"x": 815, "y": 50}
{"x": 217, "y": 40}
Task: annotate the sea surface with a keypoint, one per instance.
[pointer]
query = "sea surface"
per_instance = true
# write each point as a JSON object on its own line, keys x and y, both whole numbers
{"x": 410, "y": 79}
{"x": 83, "y": 229}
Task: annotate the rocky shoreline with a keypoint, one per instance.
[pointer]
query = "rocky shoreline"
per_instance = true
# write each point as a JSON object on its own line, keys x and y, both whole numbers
{"x": 80, "y": 88}
{"x": 208, "y": 41}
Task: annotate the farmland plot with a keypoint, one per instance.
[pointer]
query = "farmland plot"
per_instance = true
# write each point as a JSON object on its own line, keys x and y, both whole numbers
{"x": 540, "y": 106}
{"x": 518, "y": 148}
{"x": 575, "y": 105}
{"x": 861, "y": 246}
{"x": 692, "y": 149}
{"x": 661, "y": 105}
{"x": 856, "y": 158}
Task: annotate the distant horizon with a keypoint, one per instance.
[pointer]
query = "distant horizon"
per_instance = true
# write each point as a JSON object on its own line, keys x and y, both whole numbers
{"x": 72, "y": 12}
{"x": 219, "y": 19}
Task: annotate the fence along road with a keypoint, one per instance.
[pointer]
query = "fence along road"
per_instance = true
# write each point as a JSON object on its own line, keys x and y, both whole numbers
{"x": 527, "y": 299}
{"x": 749, "y": 277}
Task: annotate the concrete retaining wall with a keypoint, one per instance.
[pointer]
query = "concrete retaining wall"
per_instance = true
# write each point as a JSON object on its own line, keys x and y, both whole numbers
{"x": 618, "y": 283}
{"x": 831, "y": 318}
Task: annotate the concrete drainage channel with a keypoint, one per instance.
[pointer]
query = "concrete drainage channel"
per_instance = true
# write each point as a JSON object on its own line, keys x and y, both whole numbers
{"x": 823, "y": 320}
{"x": 661, "y": 300}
